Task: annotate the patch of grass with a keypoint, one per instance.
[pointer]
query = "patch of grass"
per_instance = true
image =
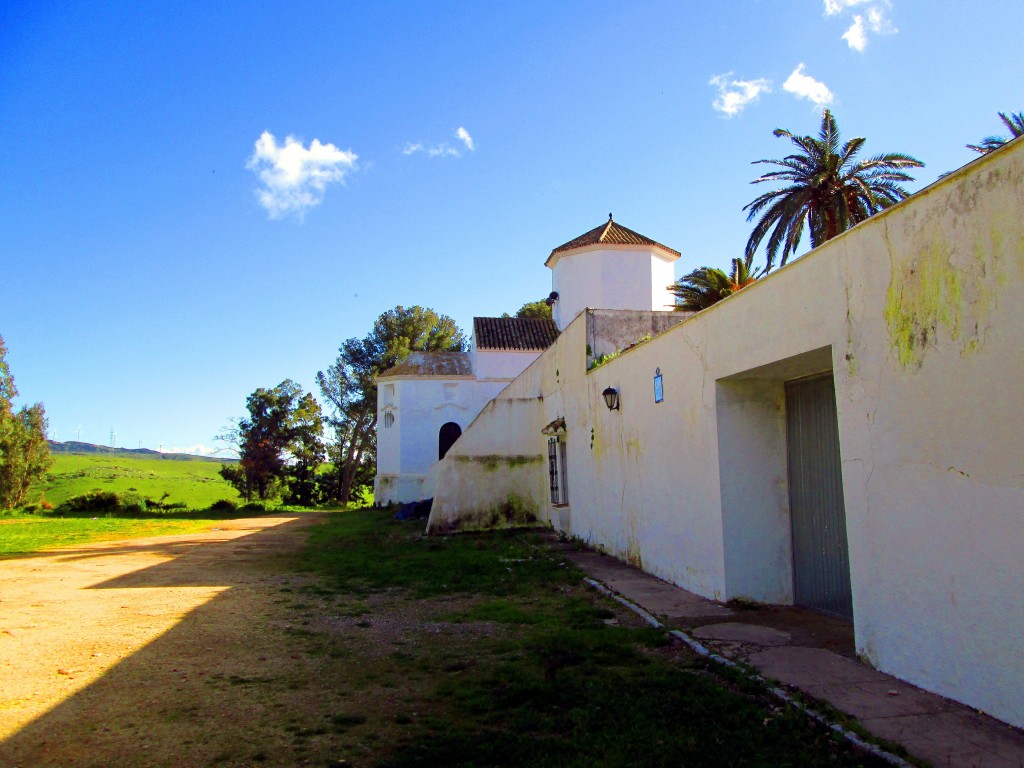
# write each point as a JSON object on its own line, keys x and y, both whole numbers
{"x": 366, "y": 550}
{"x": 554, "y": 683}
{"x": 26, "y": 536}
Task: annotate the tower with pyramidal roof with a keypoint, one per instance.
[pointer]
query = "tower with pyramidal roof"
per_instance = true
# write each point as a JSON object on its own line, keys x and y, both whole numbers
{"x": 610, "y": 267}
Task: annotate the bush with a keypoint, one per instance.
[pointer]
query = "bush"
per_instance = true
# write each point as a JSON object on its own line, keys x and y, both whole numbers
{"x": 93, "y": 501}
{"x": 223, "y": 505}
{"x": 254, "y": 507}
{"x": 104, "y": 501}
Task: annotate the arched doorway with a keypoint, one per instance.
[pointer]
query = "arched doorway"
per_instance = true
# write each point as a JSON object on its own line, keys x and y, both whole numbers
{"x": 446, "y": 438}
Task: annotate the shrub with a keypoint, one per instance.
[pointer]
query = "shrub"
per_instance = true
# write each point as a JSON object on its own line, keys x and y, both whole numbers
{"x": 223, "y": 505}
{"x": 104, "y": 501}
{"x": 93, "y": 501}
{"x": 252, "y": 506}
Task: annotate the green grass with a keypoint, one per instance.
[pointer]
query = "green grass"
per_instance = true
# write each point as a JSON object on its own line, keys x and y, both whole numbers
{"x": 193, "y": 483}
{"x": 24, "y": 536}
{"x": 560, "y": 683}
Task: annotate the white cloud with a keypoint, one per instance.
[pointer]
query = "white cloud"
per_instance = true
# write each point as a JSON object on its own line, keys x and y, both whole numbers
{"x": 735, "y": 95}
{"x": 293, "y": 177}
{"x": 806, "y": 87}
{"x": 857, "y": 35}
{"x": 444, "y": 149}
{"x": 832, "y": 7}
{"x": 196, "y": 450}
{"x": 879, "y": 23}
{"x": 463, "y": 135}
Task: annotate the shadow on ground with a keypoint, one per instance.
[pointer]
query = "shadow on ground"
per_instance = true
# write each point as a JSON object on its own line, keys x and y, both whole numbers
{"x": 180, "y": 641}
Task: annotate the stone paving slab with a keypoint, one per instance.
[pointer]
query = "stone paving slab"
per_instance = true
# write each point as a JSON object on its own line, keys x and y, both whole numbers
{"x": 804, "y": 667}
{"x": 958, "y": 738}
{"x": 747, "y": 634}
{"x": 656, "y": 596}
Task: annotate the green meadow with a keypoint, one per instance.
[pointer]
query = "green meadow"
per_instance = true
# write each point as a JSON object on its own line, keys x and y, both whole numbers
{"x": 195, "y": 484}
{"x": 24, "y": 536}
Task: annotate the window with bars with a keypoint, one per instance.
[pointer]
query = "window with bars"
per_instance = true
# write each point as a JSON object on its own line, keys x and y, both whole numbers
{"x": 389, "y": 419}
{"x": 557, "y": 472}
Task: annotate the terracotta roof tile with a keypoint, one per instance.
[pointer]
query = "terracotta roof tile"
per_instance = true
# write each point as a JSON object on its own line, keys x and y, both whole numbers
{"x": 522, "y": 333}
{"x": 432, "y": 364}
{"x": 610, "y": 233}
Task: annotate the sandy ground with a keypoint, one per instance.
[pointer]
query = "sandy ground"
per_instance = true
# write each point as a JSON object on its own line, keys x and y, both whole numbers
{"x": 153, "y": 651}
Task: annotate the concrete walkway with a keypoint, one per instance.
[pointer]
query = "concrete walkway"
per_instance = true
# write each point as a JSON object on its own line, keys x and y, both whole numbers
{"x": 815, "y": 655}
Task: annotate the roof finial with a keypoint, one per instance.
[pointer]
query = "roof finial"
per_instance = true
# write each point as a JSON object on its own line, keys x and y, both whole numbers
{"x": 609, "y": 216}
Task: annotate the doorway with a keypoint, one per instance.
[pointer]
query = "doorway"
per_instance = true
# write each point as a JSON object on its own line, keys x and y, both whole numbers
{"x": 821, "y": 559}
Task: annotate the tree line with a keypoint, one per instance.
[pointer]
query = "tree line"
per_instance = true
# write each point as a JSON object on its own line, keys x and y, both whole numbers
{"x": 290, "y": 447}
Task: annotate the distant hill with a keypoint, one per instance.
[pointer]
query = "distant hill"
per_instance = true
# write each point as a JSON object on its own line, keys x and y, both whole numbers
{"x": 172, "y": 478}
{"x": 73, "y": 446}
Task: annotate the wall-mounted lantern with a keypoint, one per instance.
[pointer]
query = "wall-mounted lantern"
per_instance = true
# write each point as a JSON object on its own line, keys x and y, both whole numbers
{"x": 611, "y": 398}
{"x": 659, "y": 390}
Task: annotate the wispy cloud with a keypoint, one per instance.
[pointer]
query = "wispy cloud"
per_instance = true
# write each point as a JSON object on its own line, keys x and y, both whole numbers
{"x": 735, "y": 95}
{"x": 196, "y": 450}
{"x": 294, "y": 178}
{"x": 832, "y": 7}
{"x": 463, "y": 135}
{"x": 806, "y": 87}
{"x": 444, "y": 149}
{"x": 875, "y": 21}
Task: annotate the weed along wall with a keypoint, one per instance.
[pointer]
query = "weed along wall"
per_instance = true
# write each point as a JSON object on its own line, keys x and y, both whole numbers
{"x": 908, "y": 330}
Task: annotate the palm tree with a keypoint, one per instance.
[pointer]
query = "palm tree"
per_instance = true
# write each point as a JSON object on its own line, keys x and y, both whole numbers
{"x": 830, "y": 191}
{"x": 709, "y": 285}
{"x": 1013, "y": 122}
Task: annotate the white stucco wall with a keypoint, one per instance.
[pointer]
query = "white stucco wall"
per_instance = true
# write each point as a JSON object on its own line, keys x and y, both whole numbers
{"x": 501, "y": 364}
{"x": 917, "y": 313}
{"x": 421, "y": 405}
{"x": 610, "y": 277}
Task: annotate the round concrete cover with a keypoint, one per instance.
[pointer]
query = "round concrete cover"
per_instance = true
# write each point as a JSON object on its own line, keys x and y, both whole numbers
{"x": 735, "y": 632}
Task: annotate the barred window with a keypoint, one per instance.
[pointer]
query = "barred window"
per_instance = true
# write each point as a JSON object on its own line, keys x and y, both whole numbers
{"x": 389, "y": 419}
{"x": 558, "y": 472}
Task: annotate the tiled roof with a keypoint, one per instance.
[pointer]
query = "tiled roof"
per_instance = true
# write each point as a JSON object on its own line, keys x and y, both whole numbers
{"x": 610, "y": 233}
{"x": 432, "y": 364}
{"x": 523, "y": 333}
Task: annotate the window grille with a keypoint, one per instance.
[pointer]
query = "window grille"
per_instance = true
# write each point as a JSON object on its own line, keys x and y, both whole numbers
{"x": 389, "y": 419}
{"x": 557, "y": 474}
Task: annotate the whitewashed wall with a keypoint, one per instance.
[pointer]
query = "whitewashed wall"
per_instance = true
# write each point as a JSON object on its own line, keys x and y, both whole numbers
{"x": 502, "y": 364}
{"x": 610, "y": 277}
{"x": 421, "y": 404}
{"x": 917, "y": 312}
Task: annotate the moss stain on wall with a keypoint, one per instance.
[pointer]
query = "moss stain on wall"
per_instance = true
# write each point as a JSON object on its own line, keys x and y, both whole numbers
{"x": 943, "y": 288}
{"x": 513, "y": 512}
{"x": 633, "y": 554}
{"x": 920, "y": 298}
{"x": 492, "y": 462}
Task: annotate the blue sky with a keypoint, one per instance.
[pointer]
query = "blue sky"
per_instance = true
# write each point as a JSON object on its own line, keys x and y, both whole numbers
{"x": 166, "y": 248}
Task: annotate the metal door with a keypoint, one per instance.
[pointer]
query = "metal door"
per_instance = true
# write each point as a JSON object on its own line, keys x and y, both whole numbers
{"x": 821, "y": 560}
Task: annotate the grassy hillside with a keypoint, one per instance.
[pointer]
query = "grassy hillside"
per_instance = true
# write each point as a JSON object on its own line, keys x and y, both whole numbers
{"x": 194, "y": 483}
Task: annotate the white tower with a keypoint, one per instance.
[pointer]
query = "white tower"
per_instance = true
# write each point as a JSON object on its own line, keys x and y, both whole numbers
{"x": 610, "y": 267}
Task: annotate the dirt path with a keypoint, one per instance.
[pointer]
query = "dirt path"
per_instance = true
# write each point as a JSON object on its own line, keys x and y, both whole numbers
{"x": 140, "y": 652}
